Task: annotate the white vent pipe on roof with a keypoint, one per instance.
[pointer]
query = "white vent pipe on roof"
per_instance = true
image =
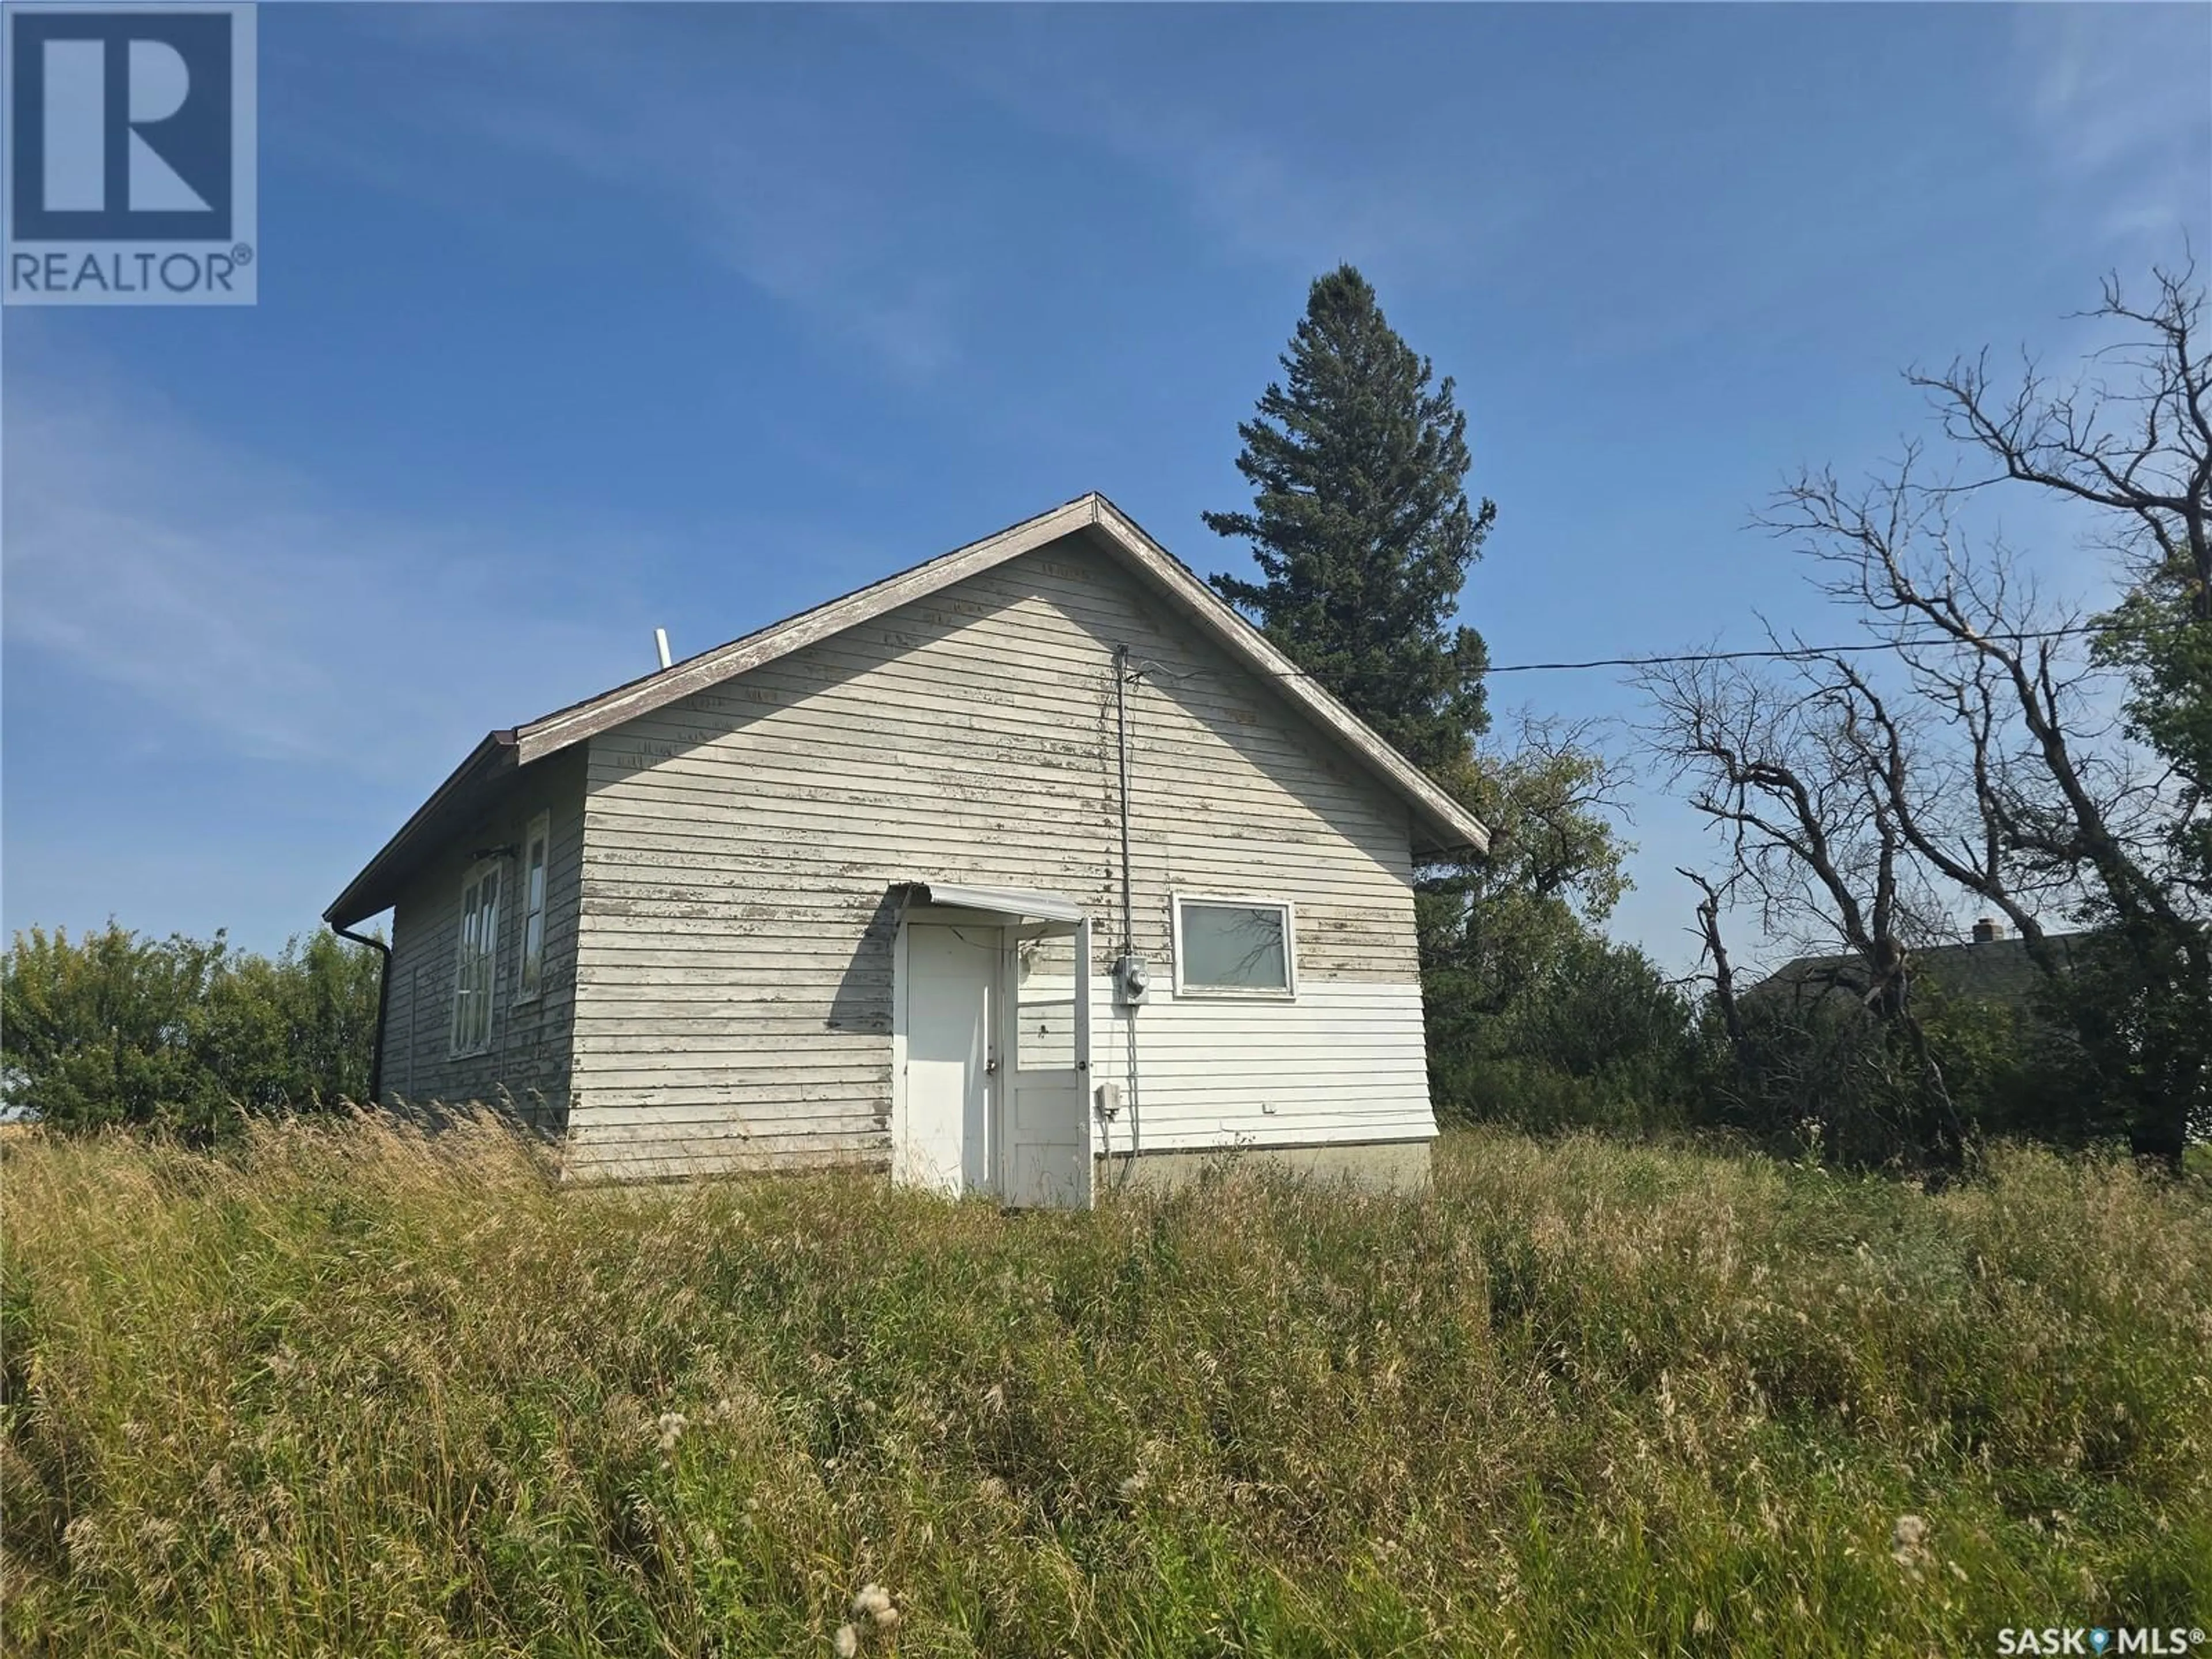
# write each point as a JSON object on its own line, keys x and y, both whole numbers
{"x": 660, "y": 644}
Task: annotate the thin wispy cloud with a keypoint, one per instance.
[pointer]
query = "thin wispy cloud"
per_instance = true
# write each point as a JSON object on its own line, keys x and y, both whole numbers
{"x": 279, "y": 620}
{"x": 2123, "y": 111}
{"x": 595, "y": 317}
{"x": 1292, "y": 182}
{"x": 799, "y": 189}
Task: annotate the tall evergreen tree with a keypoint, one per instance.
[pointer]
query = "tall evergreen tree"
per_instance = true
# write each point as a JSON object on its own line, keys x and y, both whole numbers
{"x": 1361, "y": 528}
{"x": 1363, "y": 532}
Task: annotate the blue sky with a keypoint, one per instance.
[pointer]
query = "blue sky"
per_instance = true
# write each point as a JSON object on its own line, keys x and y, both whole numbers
{"x": 578, "y": 320}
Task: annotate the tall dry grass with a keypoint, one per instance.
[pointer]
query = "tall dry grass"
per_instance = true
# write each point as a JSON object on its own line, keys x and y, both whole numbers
{"x": 350, "y": 1390}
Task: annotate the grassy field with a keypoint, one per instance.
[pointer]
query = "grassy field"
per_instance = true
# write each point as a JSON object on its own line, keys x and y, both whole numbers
{"x": 353, "y": 1391}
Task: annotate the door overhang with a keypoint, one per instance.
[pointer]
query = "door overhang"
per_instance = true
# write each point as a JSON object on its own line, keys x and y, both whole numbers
{"x": 1022, "y": 914}
{"x": 1039, "y": 915}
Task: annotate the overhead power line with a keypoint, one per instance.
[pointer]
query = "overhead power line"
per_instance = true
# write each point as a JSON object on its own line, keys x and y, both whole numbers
{"x": 1782, "y": 654}
{"x": 1790, "y": 653}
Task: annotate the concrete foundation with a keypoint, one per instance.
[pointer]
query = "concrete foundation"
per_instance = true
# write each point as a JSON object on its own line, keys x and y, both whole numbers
{"x": 1372, "y": 1165}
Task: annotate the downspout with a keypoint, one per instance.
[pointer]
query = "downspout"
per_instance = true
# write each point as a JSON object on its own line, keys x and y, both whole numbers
{"x": 383, "y": 1008}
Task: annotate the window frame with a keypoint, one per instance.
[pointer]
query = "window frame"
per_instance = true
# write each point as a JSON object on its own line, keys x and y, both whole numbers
{"x": 472, "y": 903}
{"x": 1287, "y": 991}
{"x": 530, "y": 968}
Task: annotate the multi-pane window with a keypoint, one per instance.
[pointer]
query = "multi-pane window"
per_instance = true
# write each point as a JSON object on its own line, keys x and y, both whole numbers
{"x": 533, "y": 907}
{"x": 474, "y": 961}
{"x": 1234, "y": 947}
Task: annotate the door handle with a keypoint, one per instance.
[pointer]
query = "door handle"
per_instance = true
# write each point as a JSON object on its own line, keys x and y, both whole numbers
{"x": 991, "y": 1066}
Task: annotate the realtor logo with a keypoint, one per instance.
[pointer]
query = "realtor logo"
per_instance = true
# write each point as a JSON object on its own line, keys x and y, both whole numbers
{"x": 131, "y": 154}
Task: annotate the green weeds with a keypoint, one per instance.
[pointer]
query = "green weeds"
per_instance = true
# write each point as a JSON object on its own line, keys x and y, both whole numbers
{"x": 349, "y": 1390}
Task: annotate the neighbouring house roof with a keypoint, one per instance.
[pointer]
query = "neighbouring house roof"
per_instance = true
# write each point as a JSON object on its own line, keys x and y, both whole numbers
{"x": 1989, "y": 970}
{"x": 1440, "y": 824}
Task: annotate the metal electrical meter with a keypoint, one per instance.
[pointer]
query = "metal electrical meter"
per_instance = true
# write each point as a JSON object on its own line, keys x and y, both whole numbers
{"x": 1131, "y": 981}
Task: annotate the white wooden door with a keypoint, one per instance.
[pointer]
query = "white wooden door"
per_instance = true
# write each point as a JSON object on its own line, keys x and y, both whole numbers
{"x": 952, "y": 985}
{"x": 1047, "y": 1150}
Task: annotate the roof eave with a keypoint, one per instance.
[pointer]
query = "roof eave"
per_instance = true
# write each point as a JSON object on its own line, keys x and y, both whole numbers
{"x": 569, "y": 726}
{"x": 1452, "y": 840}
{"x": 1441, "y": 826}
{"x": 1452, "y": 827}
{"x": 372, "y": 890}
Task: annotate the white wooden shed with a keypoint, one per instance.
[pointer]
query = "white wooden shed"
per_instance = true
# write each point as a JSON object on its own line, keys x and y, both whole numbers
{"x": 1029, "y": 868}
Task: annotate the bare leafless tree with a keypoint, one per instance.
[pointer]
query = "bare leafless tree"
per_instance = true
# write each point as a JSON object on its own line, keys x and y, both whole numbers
{"x": 1817, "y": 851}
{"x": 1983, "y": 752}
{"x": 1714, "y": 958}
{"x": 2141, "y": 451}
{"x": 1813, "y": 846}
{"x": 1998, "y": 759}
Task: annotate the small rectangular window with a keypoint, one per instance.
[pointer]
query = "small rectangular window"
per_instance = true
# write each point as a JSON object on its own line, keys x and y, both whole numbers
{"x": 474, "y": 958}
{"x": 533, "y": 908}
{"x": 1234, "y": 947}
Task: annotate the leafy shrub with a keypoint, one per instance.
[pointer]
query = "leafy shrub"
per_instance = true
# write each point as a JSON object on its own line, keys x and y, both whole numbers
{"x": 1816, "y": 1071}
{"x": 181, "y": 1035}
{"x": 1593, "y": 1037}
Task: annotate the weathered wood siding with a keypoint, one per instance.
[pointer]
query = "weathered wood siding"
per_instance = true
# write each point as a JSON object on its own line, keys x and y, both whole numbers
{"x": 528, "y": 1060}
{"x": 734, "y": 967}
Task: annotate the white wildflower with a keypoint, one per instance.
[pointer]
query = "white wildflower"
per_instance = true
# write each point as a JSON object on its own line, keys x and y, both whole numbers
{"x": 848, "y": 1642}
{"x": 874, "y": 1602}
{"x": 1908, "y": 1542}
{"x": 672, "y": 1424}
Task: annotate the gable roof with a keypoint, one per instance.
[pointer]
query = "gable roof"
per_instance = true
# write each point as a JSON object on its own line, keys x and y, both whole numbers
{"x": 1998, "y": 970}
{"x": 1440, "y": 824}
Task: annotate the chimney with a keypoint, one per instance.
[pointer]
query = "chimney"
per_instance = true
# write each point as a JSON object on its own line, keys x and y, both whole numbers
{"x": 1988, "y": 931}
